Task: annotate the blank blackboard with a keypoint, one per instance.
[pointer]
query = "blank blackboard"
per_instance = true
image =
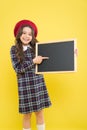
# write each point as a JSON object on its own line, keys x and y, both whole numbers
{"x": 61, "y": 56}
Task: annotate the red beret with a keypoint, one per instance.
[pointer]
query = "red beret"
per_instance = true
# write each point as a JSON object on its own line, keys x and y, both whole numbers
{"x": 25, "y": 22}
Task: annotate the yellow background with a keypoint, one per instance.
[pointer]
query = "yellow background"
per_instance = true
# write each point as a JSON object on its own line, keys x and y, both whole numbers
{"x": 56, "y": 20}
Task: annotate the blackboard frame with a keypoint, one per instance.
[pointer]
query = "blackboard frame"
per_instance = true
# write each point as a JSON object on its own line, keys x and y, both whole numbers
{"x": 65, "y": 43}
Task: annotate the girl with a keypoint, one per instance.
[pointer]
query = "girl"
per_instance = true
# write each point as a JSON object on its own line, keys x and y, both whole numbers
{"x": 33, "y": 95}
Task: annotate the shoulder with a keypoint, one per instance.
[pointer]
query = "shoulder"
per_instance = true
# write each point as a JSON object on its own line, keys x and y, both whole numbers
{"x": 13, "y": 49}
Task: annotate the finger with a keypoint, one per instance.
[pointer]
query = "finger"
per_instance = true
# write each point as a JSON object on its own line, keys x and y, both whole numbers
{"x": 45, "y": 58}
{"x": 76, "y": 52}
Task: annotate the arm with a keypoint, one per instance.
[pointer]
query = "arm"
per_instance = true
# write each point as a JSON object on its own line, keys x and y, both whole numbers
{"x": 20, "y": 67}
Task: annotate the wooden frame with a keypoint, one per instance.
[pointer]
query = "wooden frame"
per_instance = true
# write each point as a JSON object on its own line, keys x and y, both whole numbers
{"x": 62, "y": 51}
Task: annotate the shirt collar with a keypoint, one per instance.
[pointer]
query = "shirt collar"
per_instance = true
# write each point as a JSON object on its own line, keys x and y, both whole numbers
{"x": 26, "y": 47}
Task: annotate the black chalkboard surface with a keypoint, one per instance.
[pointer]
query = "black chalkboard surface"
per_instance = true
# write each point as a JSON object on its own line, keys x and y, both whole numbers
{"x": 61, "y": 56}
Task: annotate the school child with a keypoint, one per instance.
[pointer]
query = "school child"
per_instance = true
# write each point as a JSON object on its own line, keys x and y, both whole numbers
{"x": 32, "y": 91}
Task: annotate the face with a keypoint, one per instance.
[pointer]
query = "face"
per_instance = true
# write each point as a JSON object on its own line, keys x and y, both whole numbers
{"x": 26, "y": 36}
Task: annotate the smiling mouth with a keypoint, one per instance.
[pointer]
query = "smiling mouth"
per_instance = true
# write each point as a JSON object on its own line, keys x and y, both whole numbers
{"x": 26, "y": 40}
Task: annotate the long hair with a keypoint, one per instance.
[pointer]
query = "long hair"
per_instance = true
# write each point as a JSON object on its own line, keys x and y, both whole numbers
{"x": 18, "y": 43}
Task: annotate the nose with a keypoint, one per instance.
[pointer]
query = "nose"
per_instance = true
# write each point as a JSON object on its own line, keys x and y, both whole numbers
{"x": 27, "y": 35}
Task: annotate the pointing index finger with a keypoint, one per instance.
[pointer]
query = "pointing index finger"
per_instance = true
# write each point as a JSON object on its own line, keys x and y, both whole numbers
{"x": 45, "y": 58}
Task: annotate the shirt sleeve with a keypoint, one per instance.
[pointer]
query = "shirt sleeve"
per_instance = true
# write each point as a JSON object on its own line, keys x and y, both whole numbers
{"x": 20, "y": 67}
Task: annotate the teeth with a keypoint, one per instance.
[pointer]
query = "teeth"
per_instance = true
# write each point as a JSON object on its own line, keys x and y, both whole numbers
{"x": 26, "y": 40}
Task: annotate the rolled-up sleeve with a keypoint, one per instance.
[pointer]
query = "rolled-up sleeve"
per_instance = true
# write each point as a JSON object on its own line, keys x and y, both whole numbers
{"x": 20, "y": 67}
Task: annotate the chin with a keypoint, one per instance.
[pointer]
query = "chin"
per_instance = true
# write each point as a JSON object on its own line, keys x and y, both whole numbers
{"x": 26, "y": 43}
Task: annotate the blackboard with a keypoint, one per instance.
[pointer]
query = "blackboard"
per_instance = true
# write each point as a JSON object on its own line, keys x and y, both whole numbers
{"x": 61, "y": 56}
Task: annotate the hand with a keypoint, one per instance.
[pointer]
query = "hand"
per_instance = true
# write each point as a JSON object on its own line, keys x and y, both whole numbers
{"x": 39, "y": 59}
{"x": 76, "y": 52}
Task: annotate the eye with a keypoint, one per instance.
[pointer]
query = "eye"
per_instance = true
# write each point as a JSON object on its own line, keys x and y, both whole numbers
{"x": 23, "y": 32}
{"x": 30, "y": 34}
